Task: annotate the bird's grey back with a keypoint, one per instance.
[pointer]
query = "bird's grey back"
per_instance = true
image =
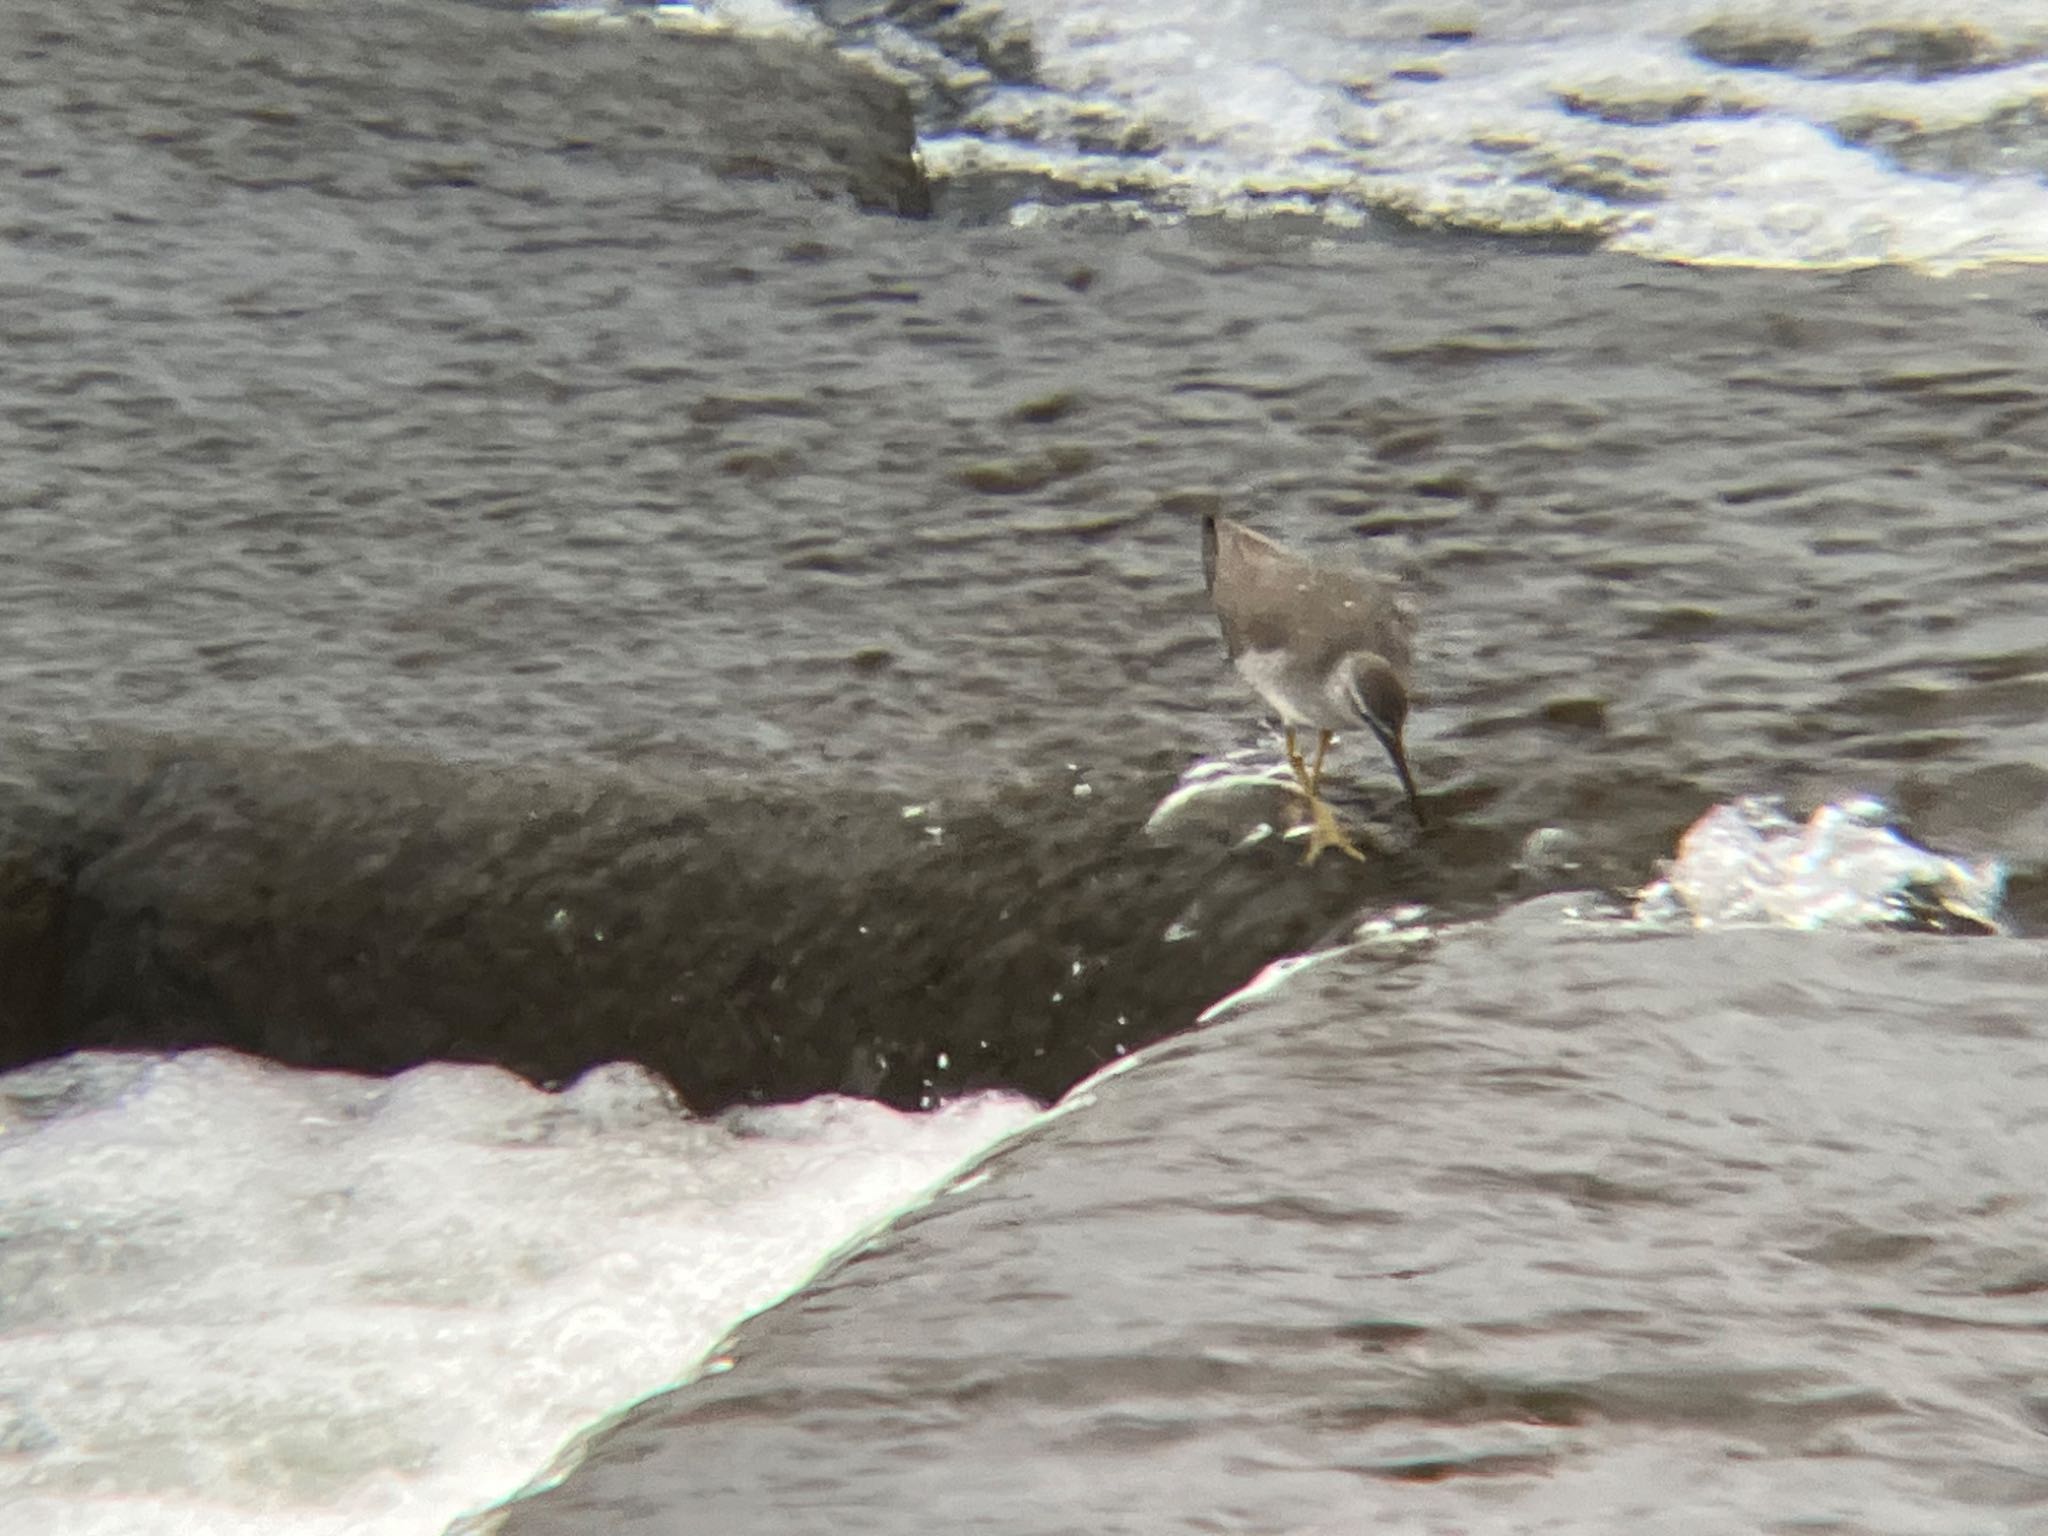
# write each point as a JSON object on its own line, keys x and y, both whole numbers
{"x": 1268, "y": 598}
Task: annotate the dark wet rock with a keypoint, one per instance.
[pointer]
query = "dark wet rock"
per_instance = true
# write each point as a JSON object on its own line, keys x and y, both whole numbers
{"x": 1598, "y": 174}
{"x": 1928, "y": 51}
{"x": 950, "y": 56}
{"x": 370, "y": 911}
{"x": 1609, "y": 177}
{"x": 1101, "y": 131}
{"x": 2013, "y": 137}
{"x": 998, "y": 42}
{"x": 1751, "y": 45}
{"x": 1647, "y": 106}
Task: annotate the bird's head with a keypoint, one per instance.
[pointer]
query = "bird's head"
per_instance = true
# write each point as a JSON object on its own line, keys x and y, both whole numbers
{"x": 1369, "y": 687}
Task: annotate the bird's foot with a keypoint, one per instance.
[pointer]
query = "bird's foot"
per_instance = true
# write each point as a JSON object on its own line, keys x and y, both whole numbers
{"x": 1325, "y": 833}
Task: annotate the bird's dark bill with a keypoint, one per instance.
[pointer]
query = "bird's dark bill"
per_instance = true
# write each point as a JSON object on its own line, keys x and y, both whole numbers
{"x": 1391, "y": 740}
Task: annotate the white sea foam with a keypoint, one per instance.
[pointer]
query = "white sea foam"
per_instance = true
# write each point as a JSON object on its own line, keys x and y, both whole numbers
{"x": 1828, "y": 133}
{"x": 1607, "y": 118}
{"x": 1748, "y": 864}
{"x": 767, "y": 18}
{"x": 237, "y": 1298}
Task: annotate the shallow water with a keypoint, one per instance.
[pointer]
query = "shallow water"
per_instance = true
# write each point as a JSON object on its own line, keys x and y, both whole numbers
{"x": 751, "y": 634}
{"x": 1535, "y": 1227}
{"x": 746, "y": 484}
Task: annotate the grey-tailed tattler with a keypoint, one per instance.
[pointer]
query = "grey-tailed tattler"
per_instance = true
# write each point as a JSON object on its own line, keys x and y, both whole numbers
{"x": 1328, "y": 648}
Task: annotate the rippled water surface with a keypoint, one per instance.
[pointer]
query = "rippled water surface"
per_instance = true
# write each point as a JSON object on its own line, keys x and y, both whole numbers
{"x": 1536, "y": 1228}
{"x": 1710, "y": 131}
{"x": 553, "y": 596}
{"x": 730, "y": 480}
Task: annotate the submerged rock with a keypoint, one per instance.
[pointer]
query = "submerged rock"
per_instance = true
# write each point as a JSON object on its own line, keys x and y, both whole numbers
{"x": 750, "y": 941}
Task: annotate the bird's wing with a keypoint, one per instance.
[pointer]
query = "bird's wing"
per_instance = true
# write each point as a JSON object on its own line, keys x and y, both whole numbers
{"x": 1261, "y": 584}
{"x": 1269, "y": 592}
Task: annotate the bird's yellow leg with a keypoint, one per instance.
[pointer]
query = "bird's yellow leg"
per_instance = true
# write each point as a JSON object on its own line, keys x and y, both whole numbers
{"x": 1323, "y": 829}
{"x": 1315, "y": 774}
{"x": 1294, "y": 761}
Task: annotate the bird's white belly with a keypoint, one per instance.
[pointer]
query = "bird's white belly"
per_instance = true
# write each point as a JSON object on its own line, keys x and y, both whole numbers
{"x": 1293, "y": 697}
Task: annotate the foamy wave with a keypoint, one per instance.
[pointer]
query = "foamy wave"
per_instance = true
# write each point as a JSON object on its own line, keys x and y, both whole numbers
{"x": 1841, "y": 135}
{"x": 242, "y": 1298}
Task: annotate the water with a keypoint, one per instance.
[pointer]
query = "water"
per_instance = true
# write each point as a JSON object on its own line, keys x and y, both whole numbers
{"x": 242, "y": 1298}
{"x": 1822, "y": 135}
{"x": 494, "y": 584}
{"x": 1750, "y": 863}
{"x": 1536, "y": 1226}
